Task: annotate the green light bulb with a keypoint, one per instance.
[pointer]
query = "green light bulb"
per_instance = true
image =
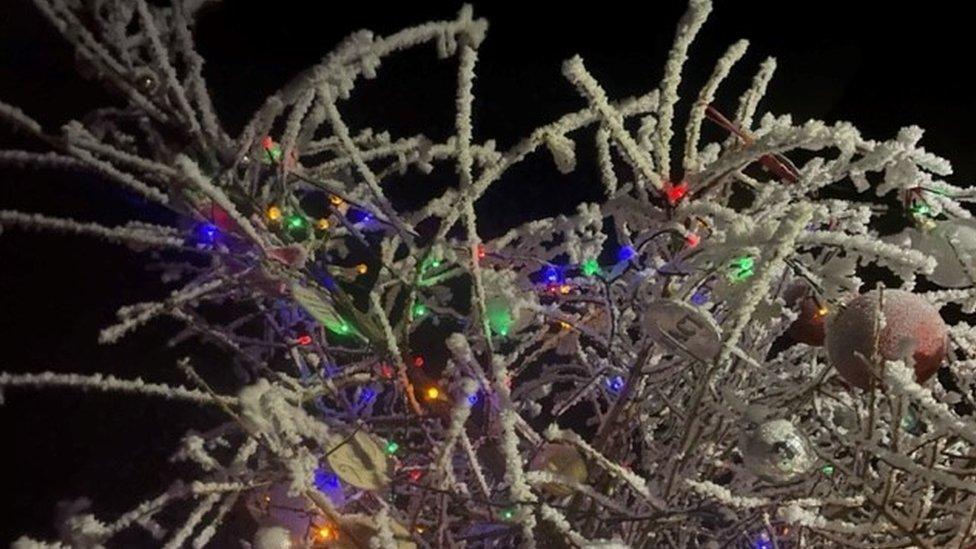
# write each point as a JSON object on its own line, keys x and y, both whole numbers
{"x": 590, "y": 267}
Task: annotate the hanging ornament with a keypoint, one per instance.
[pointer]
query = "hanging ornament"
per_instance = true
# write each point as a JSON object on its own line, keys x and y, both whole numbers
{"x": 562, "y": 460}
{"x": 360, "y": 460}
{"x": 683, "y": 328}
{"x": 810, "y": 325}
{"x": 912, "y": 327}
{"x": 272, "y": 537}
{"x": 776, "y": 451}
{"x": 275, "y": 510}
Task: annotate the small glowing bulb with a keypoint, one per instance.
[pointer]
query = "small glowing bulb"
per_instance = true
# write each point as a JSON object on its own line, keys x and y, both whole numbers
{"x": 296, "y": 222}
{"x": 508, "y": 514}
{"x": 304, "y": 339}
{"x": 565, "y": 289}
{"x": 481, "y": 251}
{"x": 322, "y": 224}
{"x": 335, "y": 200}
{"x": 419, "y": 310}
{"x": 822, "y": 311}
{"x": 674, "y": 193}
{"x": 362, "y": 268}
{"x": 433, "y": 393}
{"x": 692, "y": 240}
{"x": 590, "y": 267}
{"x": 392, "y": 447}
{"x": 326, "y": 533}
{"x": 420, "y": 529}
{"x": 418, "y": 361}
{"x": 274, "y": 213}
{"x": 564, "y": 325}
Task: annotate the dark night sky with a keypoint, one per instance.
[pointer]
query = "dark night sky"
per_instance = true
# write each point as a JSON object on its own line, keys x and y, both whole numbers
{"x": 881, "y": 70}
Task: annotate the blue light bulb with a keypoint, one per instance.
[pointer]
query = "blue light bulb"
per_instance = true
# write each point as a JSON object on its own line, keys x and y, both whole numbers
{"x": 207, "y": 233}
{"x": 625, "y": 253}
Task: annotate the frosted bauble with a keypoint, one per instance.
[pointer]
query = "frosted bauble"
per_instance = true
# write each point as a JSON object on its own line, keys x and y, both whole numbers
{"x": 912, "y": 327}
{"x": 776, "y": 451}
{"x": 272, "y": 537}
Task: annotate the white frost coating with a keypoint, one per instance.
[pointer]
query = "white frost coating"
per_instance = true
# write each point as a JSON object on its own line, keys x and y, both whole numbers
{"x": 548, "y": 323}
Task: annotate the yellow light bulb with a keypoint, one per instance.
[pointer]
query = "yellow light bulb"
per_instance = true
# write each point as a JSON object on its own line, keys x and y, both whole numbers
{"x": 322, "y": 224}
{"x": 336, "y": 201}
{"x": 362, "y": 268}
{"x": 326, "y": 533}
{"x": 274, "y": 213}
{"x": 433, "y": 393}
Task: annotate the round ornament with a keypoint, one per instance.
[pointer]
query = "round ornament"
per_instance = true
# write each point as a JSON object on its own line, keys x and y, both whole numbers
{"x": 360, "y": 460}
{"x": 810, "y": 324}
{"x": 911, "y": 327}
{"x": 683, "y": 328}
{"x": 776, "y": 451}
{"x": 562, "y": 460}
{"x": 272, "y": 537}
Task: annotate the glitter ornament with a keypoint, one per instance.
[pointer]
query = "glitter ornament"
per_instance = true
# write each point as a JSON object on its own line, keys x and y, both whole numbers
{"x": 272, "y": 537}
{"x": 912, "y": 327}
{"x": 776, "y": 451}
{"x": 561, "y": 460}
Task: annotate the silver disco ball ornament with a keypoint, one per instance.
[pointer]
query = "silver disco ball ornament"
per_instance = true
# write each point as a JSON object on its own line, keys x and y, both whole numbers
{"x": 776, "y": 451}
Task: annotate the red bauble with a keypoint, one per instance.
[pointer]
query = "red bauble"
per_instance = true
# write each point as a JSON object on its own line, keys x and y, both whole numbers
{"x": 809, "y": 326}
{"x": 912, "y": 326}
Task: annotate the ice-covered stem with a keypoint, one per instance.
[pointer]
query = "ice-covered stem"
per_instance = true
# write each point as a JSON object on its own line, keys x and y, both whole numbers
{"x": 141, "y": 236}
{"x": 108, "y": 383}
{"x": 372, "y": 182}
{"x": 688, "y": 28}
{"x": 134, "y": 316}
{"x": 791, "y": 225}
{"x": 575, "y": 72}
{"x": 705, "y": 97}
{"x": 459, "y": 416}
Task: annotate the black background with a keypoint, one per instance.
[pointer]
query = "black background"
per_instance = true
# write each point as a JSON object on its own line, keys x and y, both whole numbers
{"x": 880, "y": 65}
